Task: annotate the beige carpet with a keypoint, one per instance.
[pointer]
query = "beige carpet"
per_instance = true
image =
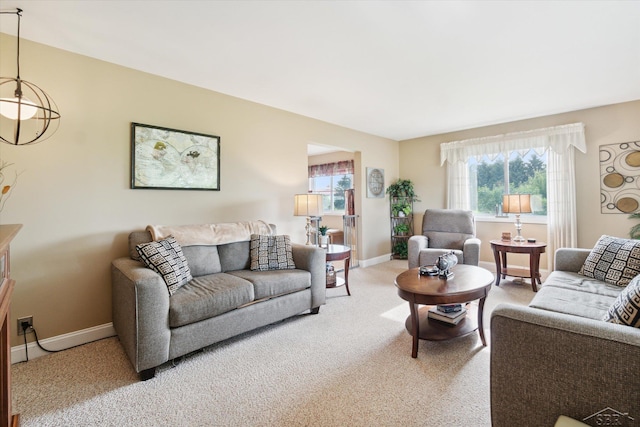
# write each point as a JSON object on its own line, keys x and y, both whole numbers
{"x": 349, "y": 365}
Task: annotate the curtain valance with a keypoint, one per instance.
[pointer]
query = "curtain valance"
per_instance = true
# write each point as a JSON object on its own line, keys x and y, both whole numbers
{"x": 328, "y": 169}
{"x": 557, "y": 139}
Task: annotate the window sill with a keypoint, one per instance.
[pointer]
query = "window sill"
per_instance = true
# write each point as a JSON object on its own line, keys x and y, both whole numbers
{"x": 526, "y": 219}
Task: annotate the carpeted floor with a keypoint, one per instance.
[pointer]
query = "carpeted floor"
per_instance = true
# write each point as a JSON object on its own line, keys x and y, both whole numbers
{"x": 349, "y": 365}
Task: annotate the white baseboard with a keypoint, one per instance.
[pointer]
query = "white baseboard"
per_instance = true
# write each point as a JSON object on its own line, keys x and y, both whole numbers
{"x": 65, "y": 341}
{"x": 491, "y": 266}
{"x": 373, "y": 261}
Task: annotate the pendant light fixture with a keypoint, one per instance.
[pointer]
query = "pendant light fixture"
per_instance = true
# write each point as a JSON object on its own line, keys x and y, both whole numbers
{"x": 27, "y": 114}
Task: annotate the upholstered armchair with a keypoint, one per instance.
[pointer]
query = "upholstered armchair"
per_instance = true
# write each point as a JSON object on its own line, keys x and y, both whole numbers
{"x": 443, "y": 231}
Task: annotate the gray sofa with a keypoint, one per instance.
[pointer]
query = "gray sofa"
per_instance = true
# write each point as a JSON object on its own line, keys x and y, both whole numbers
{"x": 558, "y": 357}
{"x": 224, "y": 299}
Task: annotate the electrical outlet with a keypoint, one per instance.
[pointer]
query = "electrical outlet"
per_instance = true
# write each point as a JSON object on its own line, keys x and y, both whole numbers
{"x": 28, "y": 319}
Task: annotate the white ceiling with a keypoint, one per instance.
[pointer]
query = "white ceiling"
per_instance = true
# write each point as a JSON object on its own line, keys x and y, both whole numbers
{"x": 397, "y": 69}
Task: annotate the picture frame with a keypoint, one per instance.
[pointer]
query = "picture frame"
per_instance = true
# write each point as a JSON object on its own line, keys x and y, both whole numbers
{"x": 171, "y": 159}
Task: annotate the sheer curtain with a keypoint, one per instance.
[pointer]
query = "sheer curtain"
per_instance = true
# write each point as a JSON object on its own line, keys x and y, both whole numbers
{"x": 559, "y": 141}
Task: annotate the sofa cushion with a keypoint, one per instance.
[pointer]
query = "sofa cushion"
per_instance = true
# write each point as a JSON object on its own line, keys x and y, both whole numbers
{"x": 208, "y": 296}
{"x": 441, "y": 239}
{"x": 271, "y": 253}
{"x": 166, "y": 258}
{"x": 570, "y": 293}
{"x": 234, "y": 256}
{"x": 136, "y": 238}
{"x": 272, "y": 283}
{"x": 613, "y": 260}
{"x": 577, "y": 282}
{"x": 202, "y": 259}
{"x": 625, "y": 310}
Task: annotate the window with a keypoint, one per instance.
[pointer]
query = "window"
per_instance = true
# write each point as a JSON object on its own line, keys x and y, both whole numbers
{"x": 490, "y": 177}
{"x": 331, "y": 180}
{"x": 557, "y": 145}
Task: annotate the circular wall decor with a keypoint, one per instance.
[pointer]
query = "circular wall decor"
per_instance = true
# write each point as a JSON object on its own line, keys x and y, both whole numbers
{"x": 375, "y": 182}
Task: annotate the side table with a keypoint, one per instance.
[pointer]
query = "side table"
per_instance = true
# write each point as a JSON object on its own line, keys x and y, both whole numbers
{"x": 502, "y": 247}
{"x": 339, "y": 253}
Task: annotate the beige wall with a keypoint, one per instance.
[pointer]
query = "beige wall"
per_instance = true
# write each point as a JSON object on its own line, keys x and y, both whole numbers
{"x": 420, "y": 162}
{"x": 73, "y": 193}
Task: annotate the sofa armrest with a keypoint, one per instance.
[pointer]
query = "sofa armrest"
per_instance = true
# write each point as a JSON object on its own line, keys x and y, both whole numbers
{"x": 314, "y": 260}
{"x": 414, "y": 246}
{"x": 570, "y": 259}
{"x": 471, "y": 251}
{"x": 140, "y": 313}
{"x": 546, "y": 364}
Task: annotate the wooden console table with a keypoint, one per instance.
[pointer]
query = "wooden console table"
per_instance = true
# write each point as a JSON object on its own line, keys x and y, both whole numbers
{"x": 7, "y": 233}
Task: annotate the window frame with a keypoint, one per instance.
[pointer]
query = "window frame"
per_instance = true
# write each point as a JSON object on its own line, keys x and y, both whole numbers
{"x": 530, "y": 218}
{"x": 312, "y": 190}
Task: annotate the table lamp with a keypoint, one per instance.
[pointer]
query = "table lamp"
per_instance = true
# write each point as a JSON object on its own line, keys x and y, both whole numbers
{"x": 307, "y": 205}
{"x": 517, "y": 204}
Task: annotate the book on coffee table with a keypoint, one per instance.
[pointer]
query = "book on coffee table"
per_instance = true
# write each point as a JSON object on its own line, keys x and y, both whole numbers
{"x": 448, "y": 308}
{"x": 452, "y": 318}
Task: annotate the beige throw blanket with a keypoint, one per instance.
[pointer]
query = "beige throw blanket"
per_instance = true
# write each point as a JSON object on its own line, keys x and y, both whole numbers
{"x": 210, "y": 234}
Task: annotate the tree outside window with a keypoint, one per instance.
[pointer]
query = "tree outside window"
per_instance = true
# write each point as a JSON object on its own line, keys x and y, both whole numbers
{"x": 522, "y": 174}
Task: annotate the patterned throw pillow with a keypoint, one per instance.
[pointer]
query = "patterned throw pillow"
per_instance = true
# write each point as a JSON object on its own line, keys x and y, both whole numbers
{"x": 271, "y": 253}
{"x": 625, "y": 310}
{"x": 165, "y": 257}
{"x": 613, "y": 260}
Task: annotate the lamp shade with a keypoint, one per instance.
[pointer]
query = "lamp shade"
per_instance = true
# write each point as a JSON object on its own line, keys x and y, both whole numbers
{"x": 516, "y": 203}
{"x": 307, "y": 205}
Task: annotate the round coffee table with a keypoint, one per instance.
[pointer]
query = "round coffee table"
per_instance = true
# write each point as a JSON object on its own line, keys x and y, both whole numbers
{"x": 469, "y": 283}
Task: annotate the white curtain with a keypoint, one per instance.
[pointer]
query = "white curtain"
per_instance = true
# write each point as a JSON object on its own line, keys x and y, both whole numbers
{"x": 559, "y": 141}
{"x": 458, "y": 195}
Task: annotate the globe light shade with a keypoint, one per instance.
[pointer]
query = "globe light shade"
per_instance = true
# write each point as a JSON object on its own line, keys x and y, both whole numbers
{"x": 27, "y": 114}
{"x": 9, "y": 108}
{"x": 38, "y": 117}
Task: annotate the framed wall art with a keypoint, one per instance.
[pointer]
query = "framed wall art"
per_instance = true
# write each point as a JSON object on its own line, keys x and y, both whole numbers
{"x": 171, "y": 159}
{"x": 375, "y": 183}
{"x": 620, "y": 177}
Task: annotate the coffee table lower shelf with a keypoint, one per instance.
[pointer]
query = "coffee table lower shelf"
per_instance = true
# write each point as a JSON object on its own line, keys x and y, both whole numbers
{"x": 434, "y": 330}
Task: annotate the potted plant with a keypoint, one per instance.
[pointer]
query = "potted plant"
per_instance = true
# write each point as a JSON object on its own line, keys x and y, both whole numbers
{"x": 401, "y": 209}
{"x": 403, "y": 188}
{"x": 401, "y": 229}
{"x": 324, "y": 239}
{"x": 401, "y": 250}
